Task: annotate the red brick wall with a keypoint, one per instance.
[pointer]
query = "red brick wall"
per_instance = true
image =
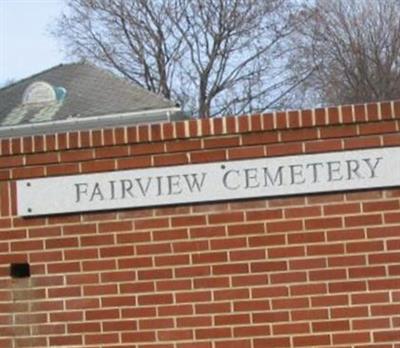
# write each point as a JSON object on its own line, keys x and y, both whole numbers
{"x": 306, "y": 271}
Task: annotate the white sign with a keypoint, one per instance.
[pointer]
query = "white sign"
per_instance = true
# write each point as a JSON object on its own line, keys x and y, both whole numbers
{"x": 265, "y": 177}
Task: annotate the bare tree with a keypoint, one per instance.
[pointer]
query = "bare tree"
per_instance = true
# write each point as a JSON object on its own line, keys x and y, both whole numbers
{"x": 213, "y": 56}
{"x": 351, "y": 48}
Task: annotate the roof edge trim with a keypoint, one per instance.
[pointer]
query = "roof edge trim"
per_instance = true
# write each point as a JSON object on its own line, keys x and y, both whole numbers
{"x": 91, "y": 122}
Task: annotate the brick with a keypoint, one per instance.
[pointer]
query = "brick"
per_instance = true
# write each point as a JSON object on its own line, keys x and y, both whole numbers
{"x": 371, "y": 324}
{"x": 154, "y": 274}
{"x": 27, "y": 172}
{"x": 284, "y": 149}
{"x": 286, "y": 252}
{"x": 246, "y": 152}
{"x": 299, "y": 134}
{"x": 377, "y": 297}
{"x": 265, "y": 214}
{"x": 247, "y": 280}
{"x": 194, "y": 345}
{"x": 251, "y": 305}
{"x": 232, "y": 319}
{"x": 362, "y": 142}
{"x": 294, "y": 119}
{"x": 140, "y": 336}
{"x": 292, "y": 303}
{"x": 285, "y": 226}
{"x": 345, "y": 234}
{"x": 306, "y": 238}
{"x": 307, "y": 263}
{"x": 45, "y": 158}
{"x": 192, "y": 271}
{"x": 61, "y": 243}
{"x": 230, "y": 268}
{"x": 331, "y": 274}
{"x": 115, "y": 226}
{"x": 137, "y": 287}
{"x": 82, "y": 279}
{"x": 209, "y": 308}
{"x": 98, "y": 265}
{"x": 171, "y": 285}
{"x": 338, "y": 132}
{"x": 180, "y": 128}
{"x": 65, "y": 340}
{"x": 387, "y": 336}
{"x": 225, "y": 217}
{"x": 208, "y": 156}
{"x": 175, "y": 310}
{"x": 202, "y": 334}
{"x": 270, "y": 317}
{"x": 380, "y": 128}
{"x": 98, "y": 166}
{"x": 312, "y": 289}
{"x": 193, "y": 296}
{"x": 346, "y": 338}
{"x": 290, "y": 329}
{"x": 80, "y": 254}
{"x": 110, "y": 152}
{"x": 349, "y": 312}
{"x": 11, "y": 161}
{"x": 278, "y": 342}
{"x": 173, "y": 234}
{"x": 170, "y": 159}
{"x": 297, "y": 212}
{"x": 314, "y": 340}
{"x": 268, "y": 266}
{"x": 101, "y": 338}
{"x": 234, "y": 344}
{"x": 306, "y": 118}
{"x": 385, "y": 310}
{"x": 116, "y": 251}
{"x": 391, "y": 139}
{"x": 281, "y": 120}
{"x": 231, "y": 294}
{"x": 393, "y": 244}
{"x": 251, "y": 254}
{"x": 259, "y": 138}
{"x": 342, "y": 209}
{"x": 76, "y": 156}
{"x": 175, "y": 335}
{"x": 134, "y": 162}
{"x": 393, "y": 283}
{"x": 190, "y": 246}
{"x": 323, "y": 223}
{"x": 188, "y": 221}
{"x": 360, "y": 247}
{"x": 117, "y": 276}
{"x": 231, "y": 243}
{"x": 105, "y": 289}
{"x": 63, "y": 267}
{"x": 383, "y": 258}
{"x": 225, "y": 142}
{"x": 172, "y": 260}
{"x": 325, "y": 249}
{"x": 347, "y": 286}
{"x": 329, "y": 300}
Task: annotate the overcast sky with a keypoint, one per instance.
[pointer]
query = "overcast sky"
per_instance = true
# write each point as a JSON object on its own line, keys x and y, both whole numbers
{"x": 26, "y": 47}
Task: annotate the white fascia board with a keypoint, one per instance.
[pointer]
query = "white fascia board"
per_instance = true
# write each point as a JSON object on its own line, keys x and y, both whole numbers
{"x": 91, "y": 122}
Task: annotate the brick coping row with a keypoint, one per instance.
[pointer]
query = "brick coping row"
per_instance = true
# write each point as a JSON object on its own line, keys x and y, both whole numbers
{"x": 145, "y": 133}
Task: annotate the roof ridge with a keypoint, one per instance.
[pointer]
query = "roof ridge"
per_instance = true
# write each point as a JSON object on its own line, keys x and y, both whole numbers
{"x": 37, "y": 74}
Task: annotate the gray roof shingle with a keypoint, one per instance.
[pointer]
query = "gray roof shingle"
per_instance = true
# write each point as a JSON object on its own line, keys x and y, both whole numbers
{"x": 90, "y": 91}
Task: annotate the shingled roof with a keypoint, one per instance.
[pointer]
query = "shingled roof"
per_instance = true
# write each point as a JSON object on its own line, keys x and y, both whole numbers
{"x": 78, "y": 95}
